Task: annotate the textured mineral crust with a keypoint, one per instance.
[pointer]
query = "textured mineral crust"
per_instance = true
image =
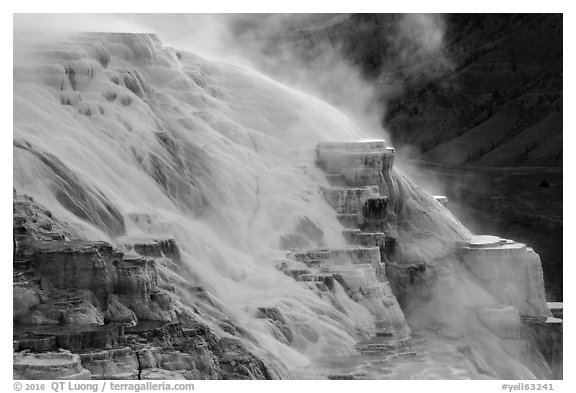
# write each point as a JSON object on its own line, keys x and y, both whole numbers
{"x": 89, "y": 309}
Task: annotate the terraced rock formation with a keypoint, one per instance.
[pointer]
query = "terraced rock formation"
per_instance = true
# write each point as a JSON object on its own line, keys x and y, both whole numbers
{"x": 89, "y": 309}
{"x": 404, "y": 245}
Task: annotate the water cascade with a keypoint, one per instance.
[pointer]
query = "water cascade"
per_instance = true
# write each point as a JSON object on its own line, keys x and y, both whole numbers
{"x": 176, "y": 217}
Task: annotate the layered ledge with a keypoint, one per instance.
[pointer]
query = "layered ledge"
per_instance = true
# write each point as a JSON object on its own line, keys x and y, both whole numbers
{"x": 510, "y": 270}
{"x": 92, "y": 310}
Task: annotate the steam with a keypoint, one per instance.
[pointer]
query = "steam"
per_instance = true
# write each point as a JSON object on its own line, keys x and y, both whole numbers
{"x": 297, "y": 49}
{"x": 232, "y": 181}
{"x": 255, "y": 136}
{"x": 315, "y": 54}
{"x": 421, "y": 37}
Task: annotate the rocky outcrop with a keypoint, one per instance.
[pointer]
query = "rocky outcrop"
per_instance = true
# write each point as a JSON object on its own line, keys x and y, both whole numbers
{"x": 61, "y": 365}
{"x": 105, "y": 305}
{"x": 547, "y": 335}
{"x": 557, "y": 309}
{"x": 346, "y": 200}
{"x": 385, "y": 242}
{"x": 491, "y": 74}
{"x": 326, "y": 257}
{"x": 35, "y": 342}
{"x": 71, "y": 282}
{"x": 354, "y": 170}
{"x": 151, "y": 247}
{"x": 407, "y": 243}
{"x": 375, "y": 214}
{"x": 118, "y": 363}
{"x": 511, "y": 271}
{"x": 77, "y": 264}
{"x": 156, "y": 350}
{"x": 75, "y": 338}
{"x": 442, "y": 199}
{"x": 137, "y": 287}
{"x": 88, "y": 282}
{"x": 32, "y": 222}
{"x": 356, "y": 164}
{"x": 411, "y": 282}
{"x": 112, "y": 304}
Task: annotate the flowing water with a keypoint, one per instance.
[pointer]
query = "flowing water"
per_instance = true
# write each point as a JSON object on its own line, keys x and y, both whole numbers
{"x": 117, "y": 133}
{"x": 428, "y": 357}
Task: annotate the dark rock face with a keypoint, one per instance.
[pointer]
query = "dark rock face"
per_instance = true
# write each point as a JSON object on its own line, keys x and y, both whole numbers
{"x": 195, "y": 352}
{"x": 511, "y": 202}
{"x": 548, "y": 337}
{"x": 153, "y": 247}
{"x": 366, "y": 202}
{"x": 75, "y": 338}
{"x": 108, "y": 309}
{"x": 89, "y": 282}
{"x": 385, "y": 242}
{"x": 488, "y": 103}
{"x": 35, "y": 343}
{"x": 413, "y": 281}
{"x": 136, "y": 286}
{"x": 31, "y": 222}
{"x": 57, "y": 280}
{"x": 489, "y": 70}
{"x": 375, "y": 208}
{"x": 119, "y": 363}
{"x": 375, "y": 214}
{"x": 162, "y": 333}
{"x": 63, "y": 365}
{"x": 237, "y": 363}
{"x": 417, "y": 237}
{"x": 77, "y": 264}
{"x": 482, "y": 108}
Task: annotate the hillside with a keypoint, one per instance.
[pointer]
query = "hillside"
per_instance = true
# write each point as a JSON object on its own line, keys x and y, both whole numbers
{"x": 464, "y": 98}
{"x": 484, "y": 78}
{"x": 180, "y": 217}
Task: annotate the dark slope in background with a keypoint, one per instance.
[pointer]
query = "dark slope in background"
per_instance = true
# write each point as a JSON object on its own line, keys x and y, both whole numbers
{"x": 490, "y": 96}
{"x": 481, "y": 114}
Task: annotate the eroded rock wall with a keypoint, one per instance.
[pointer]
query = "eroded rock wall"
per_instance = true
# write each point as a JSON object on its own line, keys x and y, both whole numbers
{"x": 86, "y": 309}
{"x": 425, "y": 249}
